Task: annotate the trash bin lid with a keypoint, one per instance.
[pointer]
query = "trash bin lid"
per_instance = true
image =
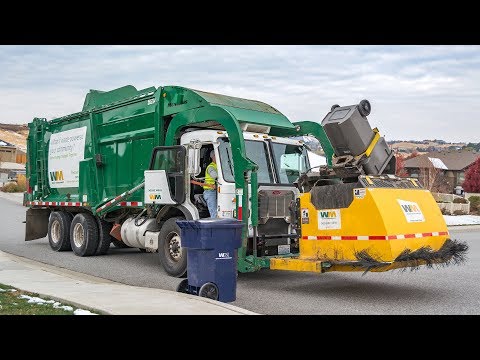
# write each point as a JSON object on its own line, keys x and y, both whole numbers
{"x": 210, "y": 223}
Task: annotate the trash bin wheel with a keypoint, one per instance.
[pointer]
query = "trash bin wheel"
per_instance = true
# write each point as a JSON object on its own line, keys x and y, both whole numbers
{"x": 364, "y": 107}
{"x": 183, "y": 286}
{"x": 209, "y": 290}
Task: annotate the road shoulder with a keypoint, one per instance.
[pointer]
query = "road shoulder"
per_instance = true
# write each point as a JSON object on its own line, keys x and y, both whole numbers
{"x": 105, "y": 296}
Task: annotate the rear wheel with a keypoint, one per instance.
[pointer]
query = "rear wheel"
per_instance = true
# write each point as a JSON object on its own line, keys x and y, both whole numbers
{"x": 172, "y": 256}
{"x": 59, "y": 230}
{"x": 104, "y": 238}
{"x": 84, "y": 234}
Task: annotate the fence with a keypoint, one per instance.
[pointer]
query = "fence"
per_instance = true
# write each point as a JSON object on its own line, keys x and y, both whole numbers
{"x": 446, "y": 204}
{"x": 467, "y": 195}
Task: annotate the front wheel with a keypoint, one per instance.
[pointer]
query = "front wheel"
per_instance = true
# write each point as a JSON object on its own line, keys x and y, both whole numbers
{"x": 172, "y": 256}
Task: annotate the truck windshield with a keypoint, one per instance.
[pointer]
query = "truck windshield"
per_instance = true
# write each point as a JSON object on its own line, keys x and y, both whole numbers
{"x": 255, "y": 151}
{"x": 226, "y": 162}
{"x": 290, "y": 160}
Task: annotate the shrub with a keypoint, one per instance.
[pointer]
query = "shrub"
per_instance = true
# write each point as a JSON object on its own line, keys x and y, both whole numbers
{"x": 460, "y": 201}
{"x": 474, "y": 203}
{"x": 12, "y": 187}
{"x": 445, "y": 211}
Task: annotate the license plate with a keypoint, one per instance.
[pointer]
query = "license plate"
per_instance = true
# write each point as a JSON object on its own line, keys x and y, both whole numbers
{"x": 283, "y": 249}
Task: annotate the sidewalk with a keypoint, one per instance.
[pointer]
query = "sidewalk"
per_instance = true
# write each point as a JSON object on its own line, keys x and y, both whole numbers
{"x": 107, "y": 297}
{"x": 16, "y": 197}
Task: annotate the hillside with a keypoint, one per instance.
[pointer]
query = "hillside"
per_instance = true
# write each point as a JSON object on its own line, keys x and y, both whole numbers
{"x": 424, "y": 146}
{"x": 15, "y": 134}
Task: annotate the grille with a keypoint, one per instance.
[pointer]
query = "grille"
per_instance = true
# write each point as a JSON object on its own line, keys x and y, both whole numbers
{"x": 387, "y": 182}
{"x": 274, "y": 204}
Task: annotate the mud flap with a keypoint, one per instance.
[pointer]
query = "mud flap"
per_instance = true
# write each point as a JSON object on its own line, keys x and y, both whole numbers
{"x": 36, "y": 225}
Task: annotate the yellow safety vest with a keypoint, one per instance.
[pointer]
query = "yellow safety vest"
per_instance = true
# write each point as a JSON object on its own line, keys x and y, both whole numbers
{"x": 208, "y": 179}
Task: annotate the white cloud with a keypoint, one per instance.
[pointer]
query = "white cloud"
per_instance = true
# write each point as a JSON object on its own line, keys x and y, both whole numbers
{"x": 416, "y": 92}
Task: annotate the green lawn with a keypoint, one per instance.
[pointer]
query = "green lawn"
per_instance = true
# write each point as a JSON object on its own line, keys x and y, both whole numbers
{"x": 16, "y": 302}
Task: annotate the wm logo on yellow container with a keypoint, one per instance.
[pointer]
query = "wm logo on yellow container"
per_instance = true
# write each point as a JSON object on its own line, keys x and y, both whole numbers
{"x": 410, "y": 208}
{"x": 328, "y": 214}
{"x": 56, "y": 175}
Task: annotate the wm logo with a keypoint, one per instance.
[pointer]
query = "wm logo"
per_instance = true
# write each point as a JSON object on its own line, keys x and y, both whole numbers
{"x": 328, "y": 214}
{"x": 410, "y": 208}
{"x": 155, "y": 197}
{"x": 56, "y": 175}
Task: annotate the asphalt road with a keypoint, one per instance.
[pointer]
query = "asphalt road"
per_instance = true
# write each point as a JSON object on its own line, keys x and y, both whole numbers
{"x": 451, "y": 290}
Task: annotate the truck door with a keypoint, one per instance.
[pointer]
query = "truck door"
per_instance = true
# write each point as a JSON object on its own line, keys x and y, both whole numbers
{"x": 165, "y": 181}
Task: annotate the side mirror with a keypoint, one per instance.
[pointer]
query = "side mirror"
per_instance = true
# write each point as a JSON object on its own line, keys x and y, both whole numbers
{"x": 194, "y": 159}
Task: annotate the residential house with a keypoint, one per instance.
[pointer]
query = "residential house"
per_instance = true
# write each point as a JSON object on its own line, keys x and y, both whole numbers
{"x": 441, "y": 170}
{"x": 10, "y": 171}
{"x": 8, "y": 152}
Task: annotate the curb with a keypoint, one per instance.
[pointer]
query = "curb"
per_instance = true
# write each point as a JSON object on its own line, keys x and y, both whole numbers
{"x": 93, "y": 279}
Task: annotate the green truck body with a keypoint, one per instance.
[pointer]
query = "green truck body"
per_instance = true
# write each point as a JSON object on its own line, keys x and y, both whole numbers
{"x": 82, "y": 162}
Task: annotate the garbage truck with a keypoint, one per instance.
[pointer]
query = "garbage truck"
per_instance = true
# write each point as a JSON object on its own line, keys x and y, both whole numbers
{"x": 129, "y": 165}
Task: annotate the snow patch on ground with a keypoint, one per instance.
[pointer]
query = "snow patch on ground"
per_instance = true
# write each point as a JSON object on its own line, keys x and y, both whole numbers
{"x": 55, "y": 304}
{"x": 82, "y": 312}
{"x": 455, "y": 220}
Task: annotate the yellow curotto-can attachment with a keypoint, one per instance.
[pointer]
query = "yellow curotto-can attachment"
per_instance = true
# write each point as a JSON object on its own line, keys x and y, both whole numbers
{"x": 346, "y": 227}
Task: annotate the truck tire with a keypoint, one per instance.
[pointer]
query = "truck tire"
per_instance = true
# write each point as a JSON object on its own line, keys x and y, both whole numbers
{"x": 104, "y": 238}
{"x": 172, "y": 256}
{"x": 84, "y": 234}
{"x": 59, "y": 231}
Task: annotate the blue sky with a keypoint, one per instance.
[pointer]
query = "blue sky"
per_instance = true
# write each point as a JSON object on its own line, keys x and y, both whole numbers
{"x": 416, "y": 92}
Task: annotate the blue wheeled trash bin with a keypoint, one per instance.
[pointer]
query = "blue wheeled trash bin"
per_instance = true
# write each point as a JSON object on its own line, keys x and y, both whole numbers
{"x": 211, "y": 257}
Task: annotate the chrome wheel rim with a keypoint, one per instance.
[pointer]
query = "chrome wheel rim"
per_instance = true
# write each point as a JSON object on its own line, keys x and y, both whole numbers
{"x": 174, "y": 246}
{"x": 55, "y": 231}
{"x": 78, "y": 237}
